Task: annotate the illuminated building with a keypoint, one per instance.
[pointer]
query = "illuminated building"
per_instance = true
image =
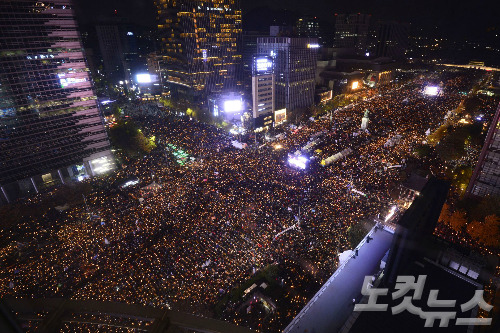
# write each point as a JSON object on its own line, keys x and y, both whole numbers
{"x": 351, "y": 31}
{"x": 294, "y": 69}
{"x": 199, "y": 45}
{"x": 486, "y": 177}
{"x": 308, "y": 27}
{"x": 248, "y": 50}
{"x": 263, "y": 88}
{"x": 50, "y": 127}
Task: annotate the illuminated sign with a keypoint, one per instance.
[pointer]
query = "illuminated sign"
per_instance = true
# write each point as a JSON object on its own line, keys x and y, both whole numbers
{"x": 263, "y": 64}
{"x": 204, "y": 53}
{"x": 431, "y": 90}
{"x": 143, "y": 78}
{"x": 279, "y": 116}
{"x": 313, "y": 46}
{"x": 70, "y": 80}
{"x": 355, "y": 85}
{"x": 235, "y": 105}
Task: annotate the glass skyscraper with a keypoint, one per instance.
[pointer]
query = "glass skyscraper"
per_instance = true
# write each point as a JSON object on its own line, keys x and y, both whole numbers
{"x": 199, "y": 41}
{"x": 51, "y": 130}
{"x": 294, "y": 69}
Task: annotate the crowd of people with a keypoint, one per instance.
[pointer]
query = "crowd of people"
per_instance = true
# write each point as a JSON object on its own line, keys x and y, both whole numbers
{"x": 218, "y": 219}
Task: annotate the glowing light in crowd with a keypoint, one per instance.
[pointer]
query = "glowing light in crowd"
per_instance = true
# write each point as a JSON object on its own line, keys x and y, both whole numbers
{"x": 143, "y": 78}
{"x": 130, "y": 183}
{"x": 234, "y": 105}
{"x": 298, "y": 161}
{"x": 391, "y": 213}
{"x": 355, "y": 85}
{"x": 278, "y": 146}
{"x": 431, "y": 90}
{"x": 107, "y": 101}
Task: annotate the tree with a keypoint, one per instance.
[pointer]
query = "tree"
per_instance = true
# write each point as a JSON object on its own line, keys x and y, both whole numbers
{"x": 491, "y": 231}
{"x": 489, "y": 205}
{"x": 474, "y": 229}
{"x": 126, "y": 136}
{"x": 486, "y": 233}
{"x": 457, "y": 220}
{"x": 444, "y": 217}
{"x": 423, "y": 150}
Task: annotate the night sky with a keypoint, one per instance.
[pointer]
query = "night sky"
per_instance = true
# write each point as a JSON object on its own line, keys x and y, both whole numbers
{"x": 456, "y": 19}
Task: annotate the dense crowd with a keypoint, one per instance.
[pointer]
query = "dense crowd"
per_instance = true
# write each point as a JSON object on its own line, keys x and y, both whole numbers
{"x": 216, "y": 220}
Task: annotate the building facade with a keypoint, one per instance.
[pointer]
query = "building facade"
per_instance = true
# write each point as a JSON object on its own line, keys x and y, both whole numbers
{"x": 308, "y": 26}
{"x": 391, "y": 39}
{"x": 352, "y": 31}
{"x": 486, "y": 177}
{"x": 263, "y": 88}
{"x": 112, "y": 53}
{"x": 248, "y": 51}
{"x": 294, "y": 69}
{"x": 51, "y": 129}
{"x": 199, "y": 41}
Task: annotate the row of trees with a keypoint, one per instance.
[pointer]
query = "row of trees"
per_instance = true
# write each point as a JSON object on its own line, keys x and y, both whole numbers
{"x": 125, "y": 135}
{"x": 485, "y": 231}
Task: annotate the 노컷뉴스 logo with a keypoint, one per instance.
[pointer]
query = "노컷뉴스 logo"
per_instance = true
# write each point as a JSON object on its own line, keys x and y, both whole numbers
{"x": 406, "y": 283}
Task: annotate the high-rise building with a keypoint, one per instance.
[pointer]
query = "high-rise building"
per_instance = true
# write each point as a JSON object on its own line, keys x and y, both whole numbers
{"x": 308, "y": 26}
{"x": 112, "y": 53}
{"x": 51, "y": 129}
{"x": 391, "y": 39}
{"x": 294, "y": 68}
{"x": 248, "y": 51}
{"x": 199, "y": 40}
{"x": 486, "y": 177}
{"x": 351, "y": 31}
{"x": 263, "y": 87}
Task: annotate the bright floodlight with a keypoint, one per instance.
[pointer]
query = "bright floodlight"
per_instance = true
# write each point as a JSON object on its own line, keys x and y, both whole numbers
{"x": 235, "y": 105}
{"x": 355, "y": 85}
{"x": 143, "y": 78}
{"x": 298, "y": 161}
{"x": 431, "y": 90}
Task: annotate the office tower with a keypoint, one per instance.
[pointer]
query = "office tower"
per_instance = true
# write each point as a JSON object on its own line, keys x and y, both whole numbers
{"x": 486, "y": 177}
{"x": 351, "y": 31}
{"x": 112, "y": 53}
{"x": 50, "y": 127}
{"x": 263, "y": 87}
{"x": 248, "y": 51}
{"x": 308, "y": 27}
{"x": 294, "y": 68}
{"x": 199, "y": 42}
{"x": 391, "y": 39}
